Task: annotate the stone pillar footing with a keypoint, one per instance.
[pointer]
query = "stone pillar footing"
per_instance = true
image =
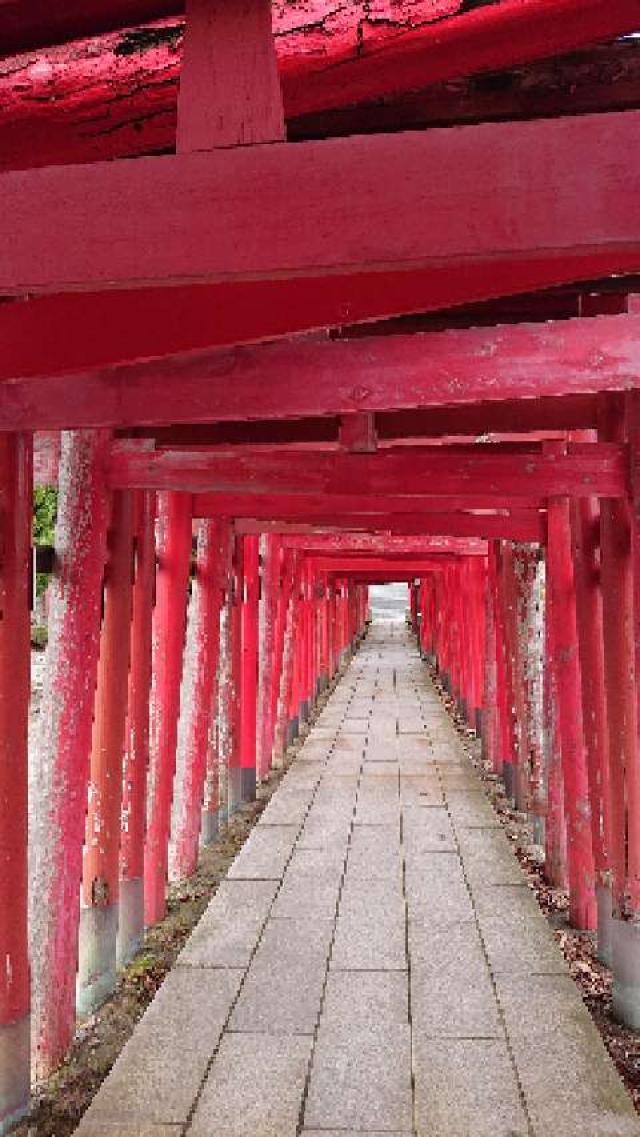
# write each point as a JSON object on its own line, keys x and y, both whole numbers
{"x": 605, "y": 917}
{"x": 15, "y": 1046}
{"x": 242, "y": 786}
{"x": 131, "y": 921}
{"x": 293, "y": 728}
{"x": 625, "y": 949}
{"x": 303, "y": 711}
{"x": 209, "y": 828}
{"x": 96, "y": 957}
{"x": 508, "y": 777}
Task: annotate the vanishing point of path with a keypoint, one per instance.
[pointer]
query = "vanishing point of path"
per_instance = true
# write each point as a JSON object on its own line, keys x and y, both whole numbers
{"x": 374, "y": 962}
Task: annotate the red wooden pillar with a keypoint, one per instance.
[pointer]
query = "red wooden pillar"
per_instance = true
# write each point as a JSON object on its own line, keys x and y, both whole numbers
{"x": 65, "y": 738}
{"x": 99, "y": 911}
{"x": 216, "y": 803}
{"x": 555, "y": 860}
{"x": 504, "y": 675}
{"x": 249, "y": 597}
{"x": 269, "y": 595}
{"x": 620, "y": 543}
{"x": 16, "y": 515}
{"x": 280, "y": 651}
{"x": 490, "y": 740}
{"x": 619, "y": 661}
{"x": 200, "y": 670}
{"x": 136, "y": 761}
{"x": 582, "y": 905}
{"x": 234, "y": 648}
{"x": 585, "y": 521}
{"x": 325, "y": 653}
{"x": 169, "y": 619}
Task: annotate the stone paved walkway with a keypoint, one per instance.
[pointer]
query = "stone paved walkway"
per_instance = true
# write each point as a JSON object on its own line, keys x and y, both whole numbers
{"x": 374, "y": 962}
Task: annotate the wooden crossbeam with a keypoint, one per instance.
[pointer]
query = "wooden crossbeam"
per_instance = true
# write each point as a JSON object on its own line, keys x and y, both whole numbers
{"x": 519, "y": 525}
{"x": 383, "y": 373}
{"x": 501, "y": 193}
{"x": 307, "y": 507}
{"x": 587, "y": 470}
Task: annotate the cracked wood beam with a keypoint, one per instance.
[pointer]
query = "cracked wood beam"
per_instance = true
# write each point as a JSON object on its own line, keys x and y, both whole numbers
{"x": 117, "y": 96}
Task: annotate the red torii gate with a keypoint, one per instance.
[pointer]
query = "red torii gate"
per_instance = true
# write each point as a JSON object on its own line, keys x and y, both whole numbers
{"x": 202, "y": 261}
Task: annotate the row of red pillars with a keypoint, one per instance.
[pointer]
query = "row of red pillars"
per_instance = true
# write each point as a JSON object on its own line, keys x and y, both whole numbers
{"x": 176, "y": 677}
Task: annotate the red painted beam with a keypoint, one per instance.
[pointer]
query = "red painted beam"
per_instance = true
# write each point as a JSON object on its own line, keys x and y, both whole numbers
{"x": 117, "y": 96}
{"x": 307, "y": 507}
{"x": 519, "y": 525}
{"x": 118, "y": 326}
{"x": 591, "y": 469}
{"x": 300, "y": 378}
{"x": 571, "y": 412}
{"x": 368, "y": 545}
{"x": 519, "y": 196}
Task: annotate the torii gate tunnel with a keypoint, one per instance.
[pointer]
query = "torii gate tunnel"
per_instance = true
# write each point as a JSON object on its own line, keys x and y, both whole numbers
{"x": 352, "y": 311}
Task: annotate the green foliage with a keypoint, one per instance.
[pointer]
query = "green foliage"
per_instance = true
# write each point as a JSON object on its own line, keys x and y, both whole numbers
{"x": 45, "y": 511}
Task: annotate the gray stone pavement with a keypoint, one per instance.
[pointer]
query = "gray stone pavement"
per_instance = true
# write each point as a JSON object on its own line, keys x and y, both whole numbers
{"x": 375, "y": 962}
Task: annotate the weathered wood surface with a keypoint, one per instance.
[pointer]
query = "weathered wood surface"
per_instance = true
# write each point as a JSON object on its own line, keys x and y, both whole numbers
{"x": 116, "y": 96}
{"x": 511, "y": 193}
{"x": 587, "y": 470}
{"x": 299, "y": 378}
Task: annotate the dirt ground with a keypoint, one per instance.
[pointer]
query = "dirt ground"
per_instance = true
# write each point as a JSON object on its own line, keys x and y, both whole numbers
{"x": 578, "y": 948}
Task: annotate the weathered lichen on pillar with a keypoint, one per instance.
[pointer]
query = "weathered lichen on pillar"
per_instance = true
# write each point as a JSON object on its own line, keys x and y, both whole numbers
{"x": 61, "y": 765}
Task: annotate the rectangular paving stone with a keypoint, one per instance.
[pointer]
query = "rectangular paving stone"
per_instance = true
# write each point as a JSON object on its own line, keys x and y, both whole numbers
{"x": 265, "y": 853}
{"x": 347, "y": 1065}
{"x": 374, "y": 853}
{"x": 375, "y": 942}
{"x": 451, "y": 991}
{"x": 436, "y": 890}
{"x": 570, "y": 1085}
{"x": 157, "y": 1076}
{"x": 470, "y": 809}
{"x": 356, "y": 1133}
{"x": 361, "y": 899}
{"x": 365, "y": 999}
{"x": 322, "y": 863}
{"x": 509, "y": 902}
{"x": 289, "y": 806}
{"x": 427, "y": 831}
{"x": 420, "y": 790}
{"x": 524, "y": 947}
{"x": 312, "y": 897}
{"x": 254, "y": 1088}
{"x": 229, "y": 930}
{"x": 488, "y": 858}
{"x": 466, "y": 1088}
{"x": 283, "y": 987}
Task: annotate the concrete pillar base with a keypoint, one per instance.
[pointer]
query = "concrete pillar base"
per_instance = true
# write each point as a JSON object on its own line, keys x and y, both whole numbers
{"x": 479, "y": 722}
{"x": 303, "y": 711}
{"x": 242, "y": 785}
{"x": 293, "y": 728}
{"x": 625, "y": 945}
{"x": 209, "y": 828}
{"x": 604, "y": 902}
{"x": 508, "y": 777}
{"x": 131, "y": 922}
{"x": 463, "y": 709}
{"x": 15, "y": 1049}
{"x": 538, "y": 831}
{"x": 96, "y": 957}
